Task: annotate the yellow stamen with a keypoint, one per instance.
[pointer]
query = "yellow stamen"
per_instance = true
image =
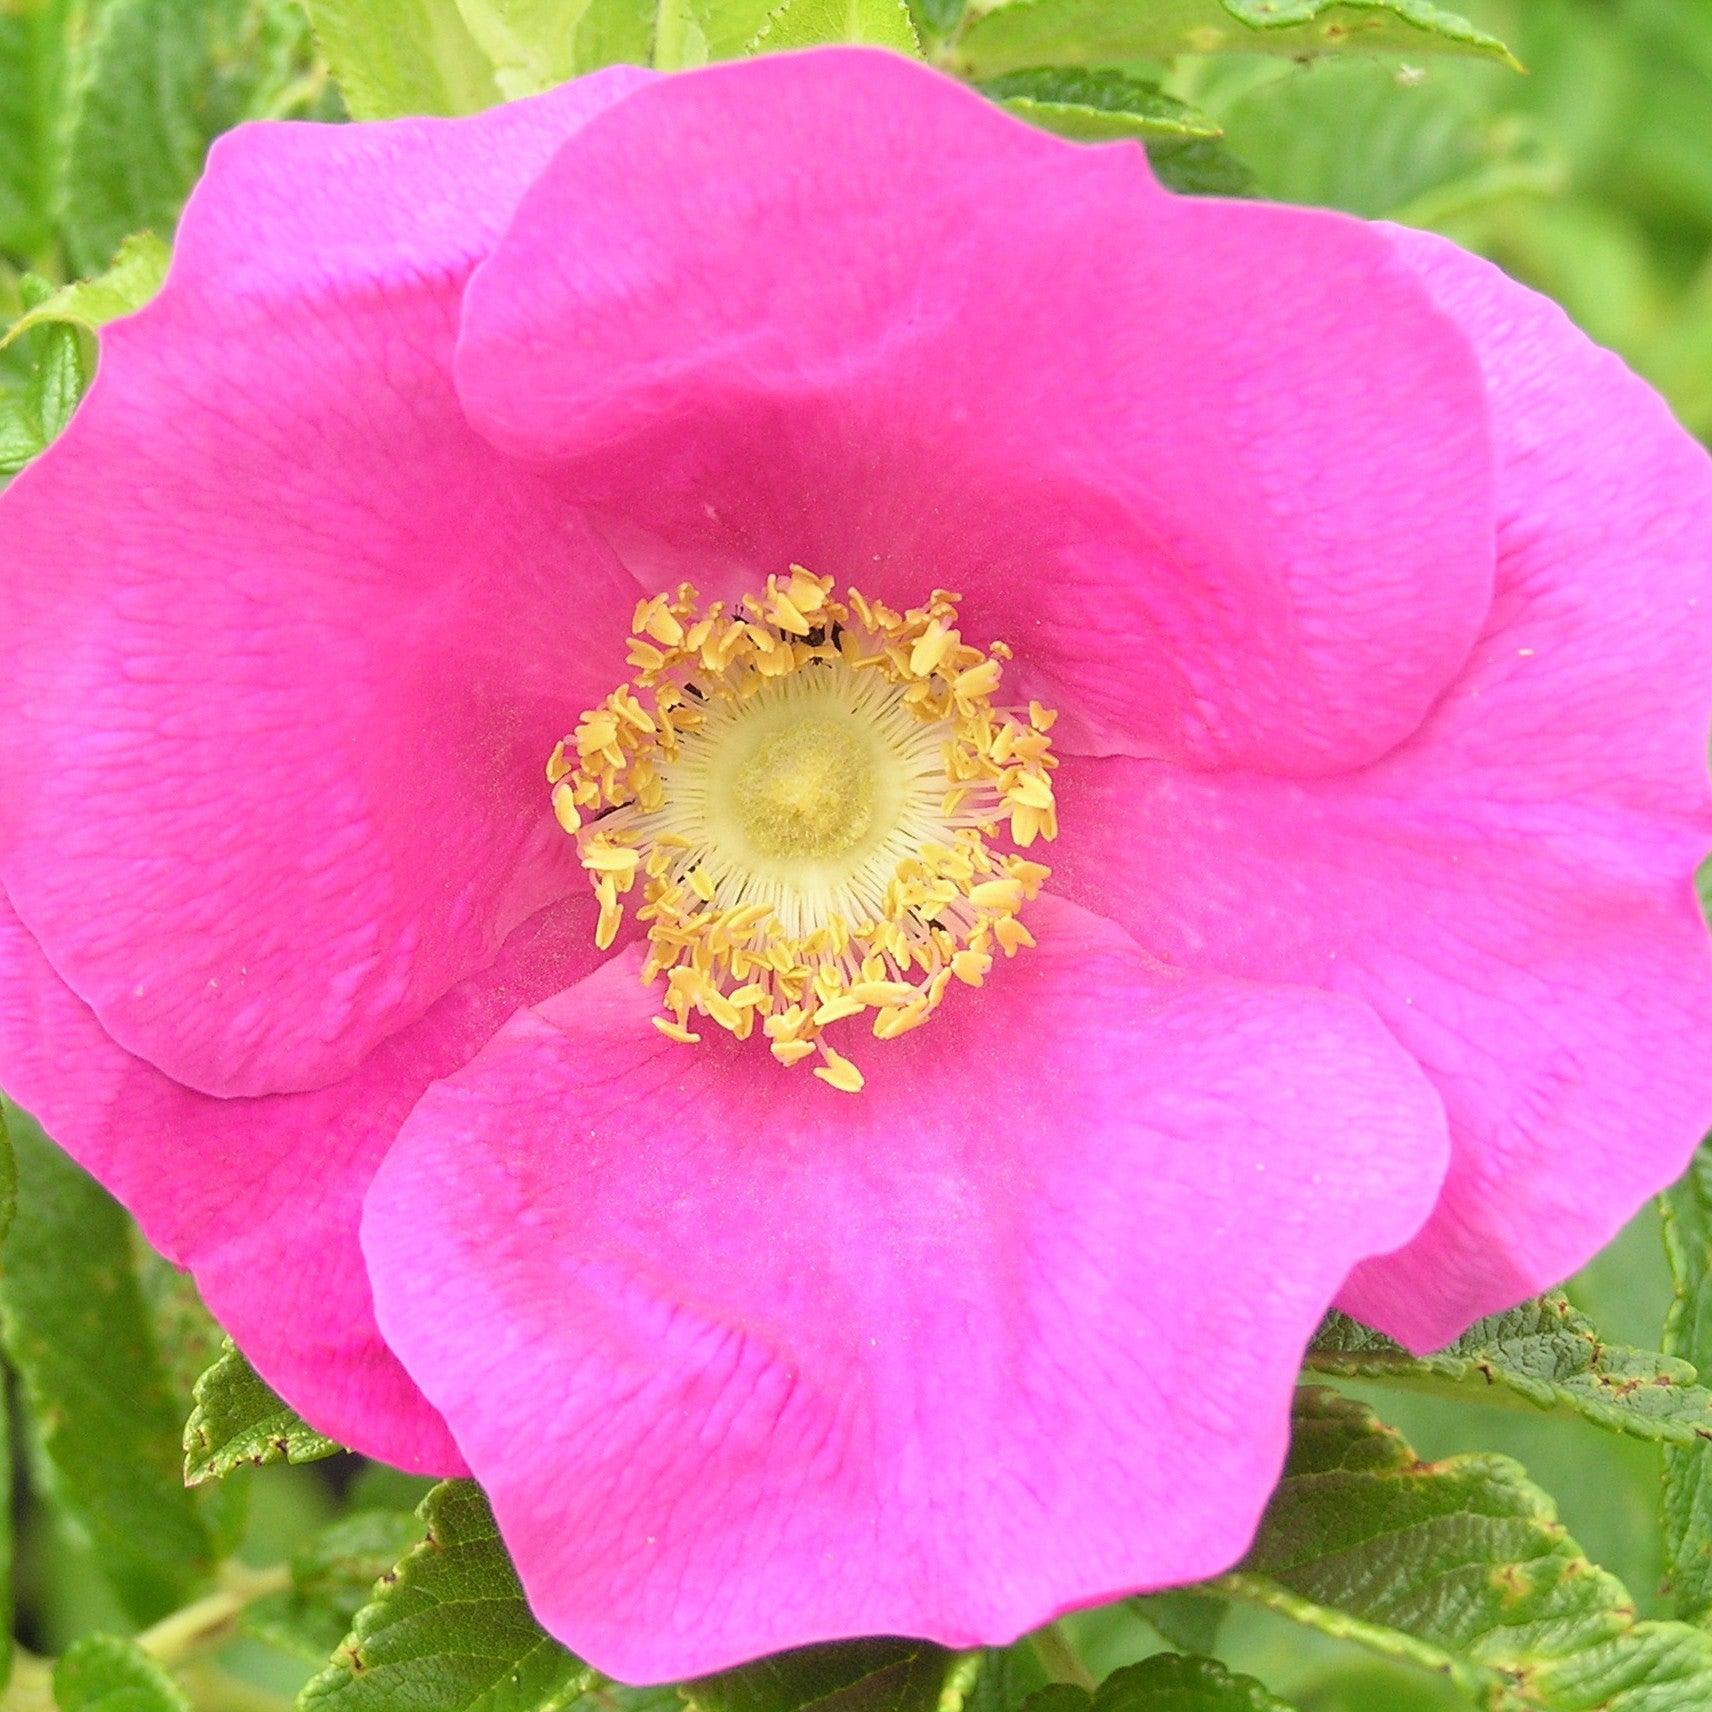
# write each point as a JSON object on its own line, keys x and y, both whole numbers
{"x": 808, "y": 795}
{"x": 839, "y": 1072}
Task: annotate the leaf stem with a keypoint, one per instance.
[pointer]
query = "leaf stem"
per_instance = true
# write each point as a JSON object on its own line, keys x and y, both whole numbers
{"x": 1059, "y": 1658}
{"x": 211, "y": 1621}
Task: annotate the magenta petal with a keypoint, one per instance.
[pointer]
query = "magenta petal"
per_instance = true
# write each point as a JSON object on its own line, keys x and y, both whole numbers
{"x": 1218, "y": 470}
{"x": 1513, "y": 890}
{"x": 744, "y": 1362}
{"x": 260, "y": 1198}
{"x": 283, "y": 643}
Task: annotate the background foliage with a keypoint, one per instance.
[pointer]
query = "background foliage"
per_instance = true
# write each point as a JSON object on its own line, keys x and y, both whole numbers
{"x": 176, "y": 1539}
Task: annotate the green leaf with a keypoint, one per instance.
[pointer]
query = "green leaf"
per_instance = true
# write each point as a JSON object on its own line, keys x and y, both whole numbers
{"x": 535, "y": 44}
{"x": 1189, "y": 1621}
{"x": 1354, "y": 135}
{"x": 104, "y": 1673}
{"x": 936, "y": 19}
{"x": 689, "y": 33}
{"x": 1096, "y": 106}
{"x": 1169, "y": 1682}
{"x": 34, "y": 44}
{"x": 58, "y": 361}
{"x": 155, "y": 82}
{"x": 1687, "y": 1212}
{"x": 1008, "y": 35}
{"x": 849, "y": 1676}
{"x": 238, "y": 1422}
{"x": 812, "y": 23}
{"x": 1058, "y": 1697}
{"x": 1544, "y": 1353}
{"x": 1460, "y": 1567}
{"x": 1199, "y": 167}
{"x": 8, "y": 1530}
{"x": 131, "y": 279}
{"x": 8, "y": 1178}
{"x": 449, "y": 1631}
{"x": 396, "y": 57}
{"x": 452, "y": 1631}
{"x": 1004, "y": 1679}
{"x": 77, "y": 1330}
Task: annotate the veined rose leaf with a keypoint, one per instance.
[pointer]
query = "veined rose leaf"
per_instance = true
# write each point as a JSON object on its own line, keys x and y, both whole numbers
{"x": 1461, "y": 1567}
{"x": 397, "y": 57}
{"x": 1008, "y": 35}
{"x": 813, "y": 23}
{"x": 1544, "y": 1353}
{"x": 238, "y": 1422}
{"x": 54, "y": 364}
{"x": 1357, "y": 135}
{"x": 848, "y": 1676}
{"x": 695, "y": 32}
{"x": 449, "y": 1631}
{"x": 129, "y": 281}
{"x": 1167, "y": 1682}
{"x": 1688, "y": 1333}
{"x": 77, "y": 1329}
{"x": 534, "y": 44}
{"x": 1170, "y": 1682}
{"x": 1096, "y": 106}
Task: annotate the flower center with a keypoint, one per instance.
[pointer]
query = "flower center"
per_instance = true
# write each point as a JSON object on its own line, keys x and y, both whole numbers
{"x": 805, "y": 787}
{"x": 810, "y": 793}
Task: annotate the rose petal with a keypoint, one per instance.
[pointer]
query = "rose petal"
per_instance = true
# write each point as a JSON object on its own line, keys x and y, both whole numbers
{"x": 1512, "y": 891}
{"x": 1219, "y": 471}
{"x": 745, "y": 1363}
{"x": 283, "y": 644}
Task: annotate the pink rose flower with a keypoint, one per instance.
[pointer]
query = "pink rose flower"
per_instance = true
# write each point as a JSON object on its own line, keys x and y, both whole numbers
{"x": 1371, "y": 603}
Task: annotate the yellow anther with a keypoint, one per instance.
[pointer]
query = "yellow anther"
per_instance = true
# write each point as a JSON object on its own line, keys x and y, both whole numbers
{"x": 1042, "y": 718}
{"x": 1029, "y": 789}
{"x": 1011, "y": 935}
{"x": 661, "y": 624}
{"x": 601, "y": 857}
{"x": 606, "y": 926}
{"x": 836, "y": 1009}
{"x": 931, "y": 648}
{"x": 792, "y": 1051}
{"x": 675, "y": 1030}
{"x": 565, "y": 807}
{"x": 889, "y": 1024}
{"x": 784, "y": 612}
{"x": 1004, "y": 894}
{"x": 838, "y": 1072}
{"x": 971, "y": 967}
{"x": 975, "y": 681}
{"x": 701, "y": 884}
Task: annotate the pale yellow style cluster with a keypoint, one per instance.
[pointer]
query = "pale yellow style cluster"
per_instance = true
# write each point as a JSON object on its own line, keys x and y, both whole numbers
{"x": 808, "y": 792}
